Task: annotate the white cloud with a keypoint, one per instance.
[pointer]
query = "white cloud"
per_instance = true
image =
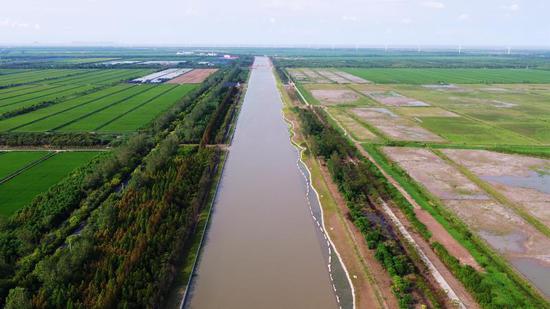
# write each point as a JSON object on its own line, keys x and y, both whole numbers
{"x": 406, "y": 21}
{"x": 272, "y": 20}
{"x": 463, "y": 16}
{"x": 433, "y": 4}
{"x": 510, "y": 7}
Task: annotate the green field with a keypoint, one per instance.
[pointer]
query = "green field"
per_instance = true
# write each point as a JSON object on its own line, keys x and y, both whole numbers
{"x": 145, "y": 113}
{"x": 121, "y": 108}
{"x": 467, "y": 114}
{"x": 20, "y": 190}
{"x": 521, "y": 109}
{"x": 50, "y": 111}
{"x": 36, "y": 75}
{"x": 11, "y": 162}
{"x": 466, "y": 131}
{"x": 90, "y": 101}
{"x": 85, "y": 60}
{"x": 457, "y": 76}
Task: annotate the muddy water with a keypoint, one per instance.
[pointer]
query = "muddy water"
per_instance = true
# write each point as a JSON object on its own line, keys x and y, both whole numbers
{"x": 262, "y": 249}
{"x": 537, "y": 180}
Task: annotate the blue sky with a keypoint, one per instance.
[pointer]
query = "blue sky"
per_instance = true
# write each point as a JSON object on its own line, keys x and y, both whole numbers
{"x": 277, "y": 22}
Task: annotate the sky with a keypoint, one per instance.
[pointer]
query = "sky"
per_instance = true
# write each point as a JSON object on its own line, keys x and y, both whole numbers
{"x": 276, "y": 22}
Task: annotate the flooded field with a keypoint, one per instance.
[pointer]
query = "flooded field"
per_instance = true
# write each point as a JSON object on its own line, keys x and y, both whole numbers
{"x": 521, "y": 179}
{"x": 394, "y": 126}
{"x": 526, "y": 248}
{"x": 263, "y": 248}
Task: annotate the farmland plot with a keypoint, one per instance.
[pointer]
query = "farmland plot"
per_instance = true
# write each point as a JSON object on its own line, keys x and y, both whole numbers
{"x": 61, "y": 119}
{"x": 451, "y": 76}
{"x": 333, "y": 94}
{"x": 145, "y": 113}
{"x": 44, "y": 113}
{"x": 196, "y": 76}
{"x": 100, "y": 118}
{"x": 520, "y": 243}
{"x": 523, "y": 180}
{"x": 11, "y": 162}
{"x": 497, "y": 114}
{"x": 394, "y": 126}
{"x": 36, "y": 75}
{"x": 20, "y": 190}
{"x": 44, "y": 96}
{"x": 102, "y": 77}
{"x": 356, "y": 129}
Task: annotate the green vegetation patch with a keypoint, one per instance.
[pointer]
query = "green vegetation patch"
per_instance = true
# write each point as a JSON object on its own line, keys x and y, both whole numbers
{"x": 458, "y": 76}
{"x": 20, "y": 190}
{"x": 143, "y": 114}
{"x": 11, "y": 162}
{"x": 465, "y": 131}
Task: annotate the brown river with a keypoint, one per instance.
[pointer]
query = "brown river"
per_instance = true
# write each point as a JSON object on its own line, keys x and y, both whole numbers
{"x": 263, "y": 248}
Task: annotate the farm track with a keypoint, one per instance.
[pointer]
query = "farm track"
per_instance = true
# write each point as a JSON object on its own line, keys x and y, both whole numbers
{"x": 26, "y": 167}
{"x": 97, "y": 110}
{"x": 67, "y": 109}
{"x": 133, "y": 109}
{"x": 453, "y": 288}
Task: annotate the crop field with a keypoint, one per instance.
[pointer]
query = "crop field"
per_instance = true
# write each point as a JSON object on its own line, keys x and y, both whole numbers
{"x": 334, "y": 94}
{"x": 120, "y": 108}
{"x": 358, "y": 131}
{"x": 520, "y": 110}
{"x": 94, "y": 100}
{"x": 35, "y": 173}
{"x": 500, "y": 114}
{"x": 145, "y": 112}
{"x": 86, "y": 60}
{"x": 455, "y": 76}
{"x": 11, "y": 162}
{"x": 517, "y": 240}
{"x": 325, "y": 76}
{"x": 395, "y": 126}
{"x": 35, "y": 76}
{"x": 521, "y": 179}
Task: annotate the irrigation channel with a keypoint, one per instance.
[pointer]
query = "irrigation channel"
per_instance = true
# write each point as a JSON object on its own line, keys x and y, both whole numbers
{"x": 265, "y": 246}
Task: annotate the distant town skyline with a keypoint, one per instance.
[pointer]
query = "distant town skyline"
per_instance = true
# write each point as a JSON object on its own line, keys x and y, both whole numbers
{"x": 276, "y": 22}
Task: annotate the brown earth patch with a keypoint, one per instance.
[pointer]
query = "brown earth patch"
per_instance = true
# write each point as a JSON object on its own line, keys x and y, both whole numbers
{"x": 333, "y": 77}
{"x": 501, "y": 227}
{"x": 315, "y": 77}
{"x": 429, "y": 111}
{"x": 335, "y": 96}
{"x": 352, "y": 78}
{"x": 394, "y": 126}
{"x": 196, "y": 76}
{"x": 521, "y": 179}
{"x": 392, "y": 98}
{"x": 356, "y": 129}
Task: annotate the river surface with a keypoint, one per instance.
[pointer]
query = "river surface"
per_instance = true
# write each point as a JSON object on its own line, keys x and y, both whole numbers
{"x": 262, "y": 248}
